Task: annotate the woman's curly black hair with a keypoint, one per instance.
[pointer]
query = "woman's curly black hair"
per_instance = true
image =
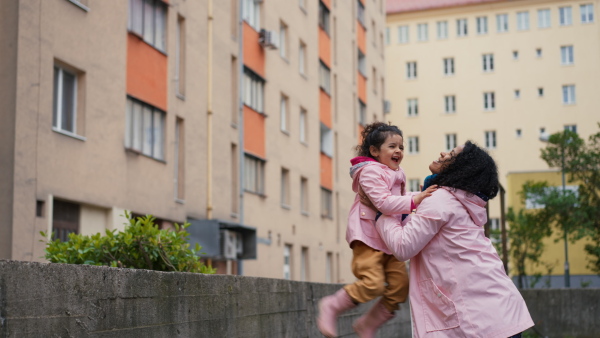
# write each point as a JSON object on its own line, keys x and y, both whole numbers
{"x": 472, "y": 170}
{"x": 375, "y": 134}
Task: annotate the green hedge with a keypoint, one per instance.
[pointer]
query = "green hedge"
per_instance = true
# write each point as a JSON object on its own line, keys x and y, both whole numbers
{"x": 142, "y": 245}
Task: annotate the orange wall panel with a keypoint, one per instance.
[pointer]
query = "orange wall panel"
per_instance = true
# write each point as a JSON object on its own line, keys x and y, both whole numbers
{"x": 362, "y": 87}
{"x": 326, "y": 172}
{"x": 324, "y": 47}
{"x": 325, "y": 108}
{"x": 254, "y": 132}
{"x": 146, "y": 72}
{"x": 254, "y": 53}
{"x": 361, "y": 36}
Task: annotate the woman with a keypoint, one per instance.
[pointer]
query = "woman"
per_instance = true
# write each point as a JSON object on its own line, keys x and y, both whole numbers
{"x": 458, "y": 287}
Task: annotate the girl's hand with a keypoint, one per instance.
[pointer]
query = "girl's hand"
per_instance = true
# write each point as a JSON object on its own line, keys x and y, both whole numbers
{"x": 364, "y": 199}
{"x": 422, "y": 195}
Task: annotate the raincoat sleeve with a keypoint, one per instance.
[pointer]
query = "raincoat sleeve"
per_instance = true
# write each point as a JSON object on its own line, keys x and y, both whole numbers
{"x": 407, "y": 241}
{"x": 372, "y": 181}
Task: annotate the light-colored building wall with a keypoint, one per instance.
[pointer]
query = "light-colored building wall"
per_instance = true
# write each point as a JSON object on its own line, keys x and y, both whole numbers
{"x": 527, "y": 113}
{"x": 94, "y": 169}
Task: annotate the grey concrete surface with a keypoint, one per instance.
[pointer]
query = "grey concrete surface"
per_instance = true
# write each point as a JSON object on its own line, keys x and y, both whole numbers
{"x": 58, "y": 300}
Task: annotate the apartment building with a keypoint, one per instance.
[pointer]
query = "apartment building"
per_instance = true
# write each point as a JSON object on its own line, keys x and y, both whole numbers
{"x": 499, "y": 73}
{"x": 237, "y": 116}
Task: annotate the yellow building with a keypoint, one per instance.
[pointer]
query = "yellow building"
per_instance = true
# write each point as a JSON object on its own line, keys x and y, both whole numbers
{"x": 239, "y": 116}
{"x": 499, "y": 73}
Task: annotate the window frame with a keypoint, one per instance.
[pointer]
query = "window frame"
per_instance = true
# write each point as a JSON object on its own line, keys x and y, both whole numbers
{"x": 482, "y": 25}
{"x": 502, "y": 23}
{"x": 403, "y": 34}
{"x": 488, "y": 62}
{"x": 411, "y": 70}
{"x": 413, "y": 145}
{"x": 588, "y": 16}
{"x": 544, "y": 18}
{"x": 490, "y": 139}
{"x": 58, "y": 104}
{"x": 412, "y": 107}
{"x": 254, "y": 90}
{"x": 568, "y": 94}
{"x": 326, "y": 203}
{"x": 523, "y": 21}
{"x": 130, "y": 132}
{"x": 448, "y": 66}
{"x": 442, "y": 30}
{"x": 137, "y": 22}
{"x": 567, "y": 57}
{"x": 450, "y": 141}
{"x": 423, "y": 32}
{"x": 450, "y": 104}
{"x": 489, "y": 101}
{"x": 565, "y": 16}
{"x": 461, "y": 27}
{"x": 254, "y": 165}
{"x": 324, "y": 18}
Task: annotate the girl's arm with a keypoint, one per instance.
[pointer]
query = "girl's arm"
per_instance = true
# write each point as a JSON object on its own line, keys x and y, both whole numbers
{"x": 373, "y": 184}
{"x": 407, "y": 241}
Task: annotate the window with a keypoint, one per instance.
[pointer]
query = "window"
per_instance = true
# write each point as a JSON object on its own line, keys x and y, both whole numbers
{"x": 518, "y": 133}
{"x": 461, "y": 27}
{"x": 179, "y": 159}
{"x": 374, "y": 30}
{"x": 361, "y": 13}
{"x": 422, "y": 32}
{"x": 414, "y": 184}
{"x": 411, "y": 70}
{"x": 542, "y": 131}
{"x": 522, "y": 21}
{"x": 387, "y": 35}
{"x": 145, "y": 127}
{"x": 565, "y": 16}
{"x": 540, "y": 92}
{"x": 147, "y": 18}
{"x": 324, "y": 77}
{"x": 571, "y": 127}
{"x": 285, "y": 188}
{"x": 283, "y": 40}
{"x": 566, "y": 55}
{"x": 489, "y": 101}
{"x": 413, "y": 145}
{"x": 180, "y": 57}
{"x": 449, "y": 104}
{"x": 326, "y": 203}
{"x": 326, "y": 140}
{"x": 304, "y": 195}
{"x": 284, "y": 114}
{"x": 568, "y": 94}
{"x": 442, "y": 30}
{"x": 517, "y": 94}
{"x": 302, "y": 58}
{"x": 251, "y": 13}
{"x": 235, "y": 179}
{"x": 587, "y": 13}
{"x": 543, "y": 18}
{"x": 304, "y": 259}
{"x": 287, "y": 261}
{"x": 303, "y": 124}
{"x": 449, "y": 66}
{"x": 538, "y": 52}
{"x": 362, "y": 113}
{"x": 329, "y": 267}
{"x": 515, "y": 54}
{"x": 374, "y": 81}
{"x": 324, "y": 17}
{"x": 450, "y": 141}
{"x": 413, "y": 107}
{"x": 488, "y": 62}
{"x": 502, "y": 22}
{"x": 64, "y": 117}
{"x": 403, "y": 34}
{"x": 254, "y": 174}
{"x": 362, "y": 63}
{"x": 490, "y": 139}
{"x": 495, "y": 230}
{"x": 253, "y": 90}
{"x": 482, "y": 26}
{"x": 65, "y": 219}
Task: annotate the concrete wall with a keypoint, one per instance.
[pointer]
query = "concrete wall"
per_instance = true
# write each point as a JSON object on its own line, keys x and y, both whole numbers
{"x": 53, "y": 300}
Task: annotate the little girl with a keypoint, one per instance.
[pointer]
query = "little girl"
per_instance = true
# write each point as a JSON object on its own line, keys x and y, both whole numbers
{"x": 376, "y": 171}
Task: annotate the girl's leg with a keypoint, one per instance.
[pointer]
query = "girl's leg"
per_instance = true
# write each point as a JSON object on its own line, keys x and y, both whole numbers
{"x": 367, "y": 266}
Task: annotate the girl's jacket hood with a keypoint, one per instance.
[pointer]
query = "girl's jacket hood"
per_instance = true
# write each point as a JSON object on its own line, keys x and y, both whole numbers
{"x": 358, "y": 164}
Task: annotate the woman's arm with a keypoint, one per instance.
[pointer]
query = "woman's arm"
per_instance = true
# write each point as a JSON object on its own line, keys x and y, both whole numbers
{"x": 407, "y": 241}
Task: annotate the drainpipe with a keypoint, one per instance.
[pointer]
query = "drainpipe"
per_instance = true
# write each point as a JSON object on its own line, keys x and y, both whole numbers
{"x": 241, "y": 118}
{"x": 209, "y": 145}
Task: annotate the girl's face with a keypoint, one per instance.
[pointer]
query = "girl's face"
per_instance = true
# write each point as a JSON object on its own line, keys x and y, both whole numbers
{"x": 444, "y": 160}
{"x": 391, "y": 151}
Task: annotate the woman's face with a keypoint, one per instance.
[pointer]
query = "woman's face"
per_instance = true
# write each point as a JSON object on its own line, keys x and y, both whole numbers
{"x": 444, "y": 160}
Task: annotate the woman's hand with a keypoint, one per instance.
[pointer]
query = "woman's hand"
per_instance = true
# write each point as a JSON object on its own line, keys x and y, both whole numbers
{"x": 418, "y": 198}
{"x": 364, "y": 199}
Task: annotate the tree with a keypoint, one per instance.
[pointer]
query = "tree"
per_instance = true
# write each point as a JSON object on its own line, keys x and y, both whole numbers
{"x": 142, "y": 245}
{"x": 581, "y": 162}
{"x": 527, "y": 230}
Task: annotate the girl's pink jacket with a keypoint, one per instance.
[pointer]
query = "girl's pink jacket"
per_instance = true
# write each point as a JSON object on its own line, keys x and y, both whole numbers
{"x": 458, "y": 287}
{"x": 384, "y": 187}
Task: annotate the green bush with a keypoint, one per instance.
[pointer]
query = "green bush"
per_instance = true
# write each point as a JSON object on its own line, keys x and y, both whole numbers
{"x": 141, "y": 246}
